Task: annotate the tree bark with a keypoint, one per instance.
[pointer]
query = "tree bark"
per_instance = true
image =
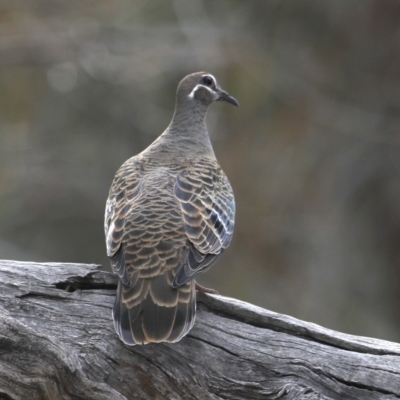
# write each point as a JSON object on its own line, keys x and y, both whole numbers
{"x": 57, "y": 341}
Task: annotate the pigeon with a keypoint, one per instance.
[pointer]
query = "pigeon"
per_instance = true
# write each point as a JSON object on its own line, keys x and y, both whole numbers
{"x": 169, "y": 215}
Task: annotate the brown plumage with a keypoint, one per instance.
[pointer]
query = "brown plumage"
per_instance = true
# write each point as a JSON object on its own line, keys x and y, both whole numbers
{"x": 169, "y": 215}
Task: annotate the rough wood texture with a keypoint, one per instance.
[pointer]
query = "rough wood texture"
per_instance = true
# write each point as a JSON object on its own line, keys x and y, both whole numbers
{"x": 57, "y": 341}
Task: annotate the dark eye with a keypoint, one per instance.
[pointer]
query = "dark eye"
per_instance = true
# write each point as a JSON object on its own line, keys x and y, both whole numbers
{"x": 207, "y": 80}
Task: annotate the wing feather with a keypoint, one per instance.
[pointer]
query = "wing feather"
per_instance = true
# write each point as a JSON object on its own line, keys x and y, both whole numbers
{"x": 124, "y": 192}
{"x": 208, "y": 211}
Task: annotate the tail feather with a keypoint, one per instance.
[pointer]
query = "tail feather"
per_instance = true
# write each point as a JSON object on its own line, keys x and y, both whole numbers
{"x": 121, "y": 319}
{"x": 163, "y": 314}
{"x": 185, "y": 312}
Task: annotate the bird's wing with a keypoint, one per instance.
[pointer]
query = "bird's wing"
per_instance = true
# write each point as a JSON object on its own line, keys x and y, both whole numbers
{"x": 125, "y": 191}
{"x": 208, "y": 210}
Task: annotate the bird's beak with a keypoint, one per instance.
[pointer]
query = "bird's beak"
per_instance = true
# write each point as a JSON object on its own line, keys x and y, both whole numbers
{"x": 224, "y": 96}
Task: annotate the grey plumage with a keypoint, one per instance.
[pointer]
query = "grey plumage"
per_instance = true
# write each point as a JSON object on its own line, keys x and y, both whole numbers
{"x": 169, "y": 215}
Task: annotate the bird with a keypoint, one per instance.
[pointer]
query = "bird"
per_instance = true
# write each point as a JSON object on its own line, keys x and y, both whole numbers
{"x": 169, "y": 215}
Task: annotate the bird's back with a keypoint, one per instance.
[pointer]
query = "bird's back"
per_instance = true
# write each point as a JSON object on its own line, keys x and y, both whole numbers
{"x": 150, "y": 249}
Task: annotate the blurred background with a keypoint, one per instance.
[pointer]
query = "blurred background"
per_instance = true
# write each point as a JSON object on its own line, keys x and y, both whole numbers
{"x": 313, "y": 151}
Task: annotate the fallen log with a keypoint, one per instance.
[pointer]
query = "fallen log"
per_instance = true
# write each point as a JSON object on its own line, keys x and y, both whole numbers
{"x": 57, "y": 341}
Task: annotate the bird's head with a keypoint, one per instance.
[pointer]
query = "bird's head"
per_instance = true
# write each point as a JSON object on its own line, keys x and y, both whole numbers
{"x": 202, "y": 88}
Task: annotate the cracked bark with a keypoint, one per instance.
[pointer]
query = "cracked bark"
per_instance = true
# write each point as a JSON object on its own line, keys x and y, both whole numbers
{"x": 57, "y": 341}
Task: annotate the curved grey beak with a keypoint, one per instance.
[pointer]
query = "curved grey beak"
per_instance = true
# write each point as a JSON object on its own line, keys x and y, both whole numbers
{"x": 224, "y": 96}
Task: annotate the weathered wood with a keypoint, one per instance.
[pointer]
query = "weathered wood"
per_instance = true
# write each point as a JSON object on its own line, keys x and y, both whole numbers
{"x": 57, "y": 341}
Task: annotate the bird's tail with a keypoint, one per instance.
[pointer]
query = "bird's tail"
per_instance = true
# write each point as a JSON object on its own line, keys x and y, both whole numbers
{"x": 152, "y": 311}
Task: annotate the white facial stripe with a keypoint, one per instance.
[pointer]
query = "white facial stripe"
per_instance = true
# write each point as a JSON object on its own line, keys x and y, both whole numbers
{"x": 191, "y": 95}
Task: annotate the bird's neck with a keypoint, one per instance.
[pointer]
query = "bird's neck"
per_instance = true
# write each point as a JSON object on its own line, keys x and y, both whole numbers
{"x": 187, "y": 132}
{"x": 189, "y": 114}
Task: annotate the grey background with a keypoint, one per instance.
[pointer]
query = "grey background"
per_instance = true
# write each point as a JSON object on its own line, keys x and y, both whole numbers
{"x": 313, "y": 151}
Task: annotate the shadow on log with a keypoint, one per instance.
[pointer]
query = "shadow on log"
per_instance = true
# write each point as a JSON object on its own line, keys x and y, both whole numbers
{"x": 57, "y": 341}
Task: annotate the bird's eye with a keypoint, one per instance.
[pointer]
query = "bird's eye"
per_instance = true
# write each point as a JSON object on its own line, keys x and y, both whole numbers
{"x": 207, "y": 80}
